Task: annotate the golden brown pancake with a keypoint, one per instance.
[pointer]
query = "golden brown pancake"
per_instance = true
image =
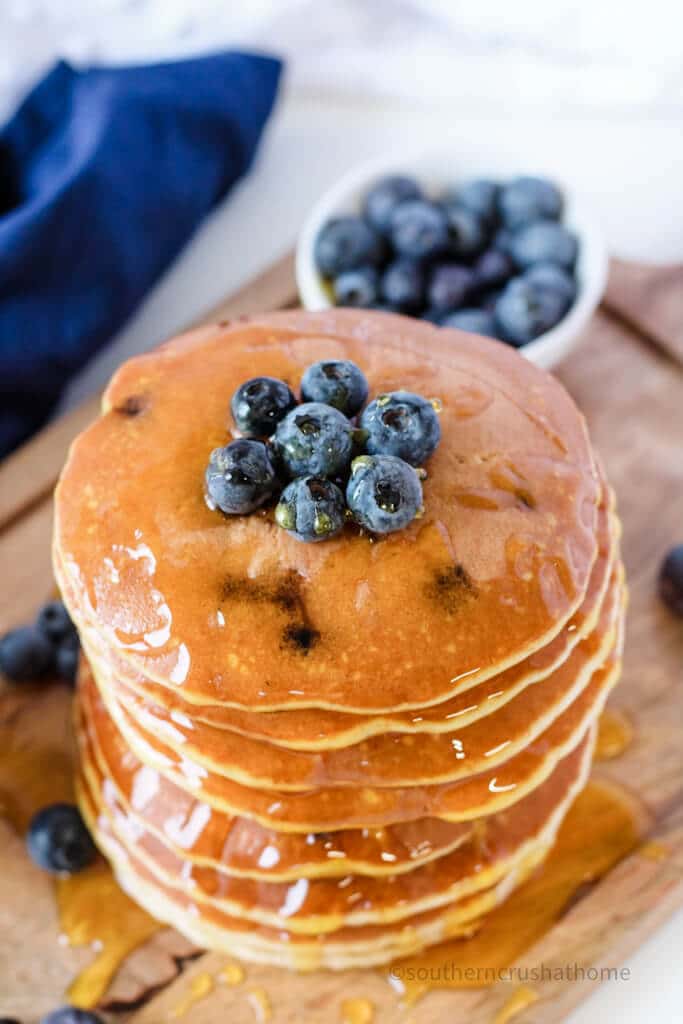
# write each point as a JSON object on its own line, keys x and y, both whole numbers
{"x": 509, "y": 529}
{"x": 321, "y": 905}
{"x": 380, "y": 761}
{"x": 242, "y": 845}
{"x": 332, "y": 808}
{"x": 315, "y": 729}
{"x": 347, "y": 946}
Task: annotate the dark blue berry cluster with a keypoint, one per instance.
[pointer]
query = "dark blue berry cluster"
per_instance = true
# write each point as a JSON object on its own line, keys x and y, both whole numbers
{"x": 47, "y": 648}
{"x": 328, "y": 459}
{"x": 485, "y": 257}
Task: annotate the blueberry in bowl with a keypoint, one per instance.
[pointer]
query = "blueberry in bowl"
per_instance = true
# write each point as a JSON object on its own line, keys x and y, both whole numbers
{"x": 495, "y": 227}
{"x": 347, "y": 243}
{"x": 527, "y": 199}
{"x": 526, "y": 310}
{"x": 474, "y": 321}
{"x": 383, "y": 198}
{"x": 419, "y": 229}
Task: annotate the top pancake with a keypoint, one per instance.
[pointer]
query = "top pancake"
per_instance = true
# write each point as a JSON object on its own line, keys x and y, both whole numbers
{"x": 213, "y": 606}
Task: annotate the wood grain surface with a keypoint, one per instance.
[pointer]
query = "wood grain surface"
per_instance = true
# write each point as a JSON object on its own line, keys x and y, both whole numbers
{"x": 628, "y": 378}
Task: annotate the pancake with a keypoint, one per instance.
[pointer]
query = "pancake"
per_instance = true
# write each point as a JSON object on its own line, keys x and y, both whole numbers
{"x": 313, "y": 729}
{"x": 388, "y": 760}
{"x": 347, "y": 947}
{"x": 336, "y": 754}
{"x": 242, "y": 846}
{"x": 510, "y": 523}
{"x": 323, "y": 905}
{"x": 333, "y": 808}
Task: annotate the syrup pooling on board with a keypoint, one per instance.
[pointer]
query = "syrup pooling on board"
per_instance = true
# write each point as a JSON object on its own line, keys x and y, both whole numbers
{"x": 94, "y": 911}
{"x": 154, "y": 574}
{"x": 603, "y": 826}
{"x": 615, "y": 734}
{"x": 36, "y": 770}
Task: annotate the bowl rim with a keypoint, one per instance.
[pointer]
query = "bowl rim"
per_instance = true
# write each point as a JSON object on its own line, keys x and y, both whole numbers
{"x": 344, "y": 194}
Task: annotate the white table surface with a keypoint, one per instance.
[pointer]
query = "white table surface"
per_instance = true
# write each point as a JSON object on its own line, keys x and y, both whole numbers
{"x": 631, "y": 169}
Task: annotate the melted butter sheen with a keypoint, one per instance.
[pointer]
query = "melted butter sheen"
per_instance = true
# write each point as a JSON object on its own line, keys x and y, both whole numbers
{"x": 94, "y": 910}
{"x": 600, "y": 829}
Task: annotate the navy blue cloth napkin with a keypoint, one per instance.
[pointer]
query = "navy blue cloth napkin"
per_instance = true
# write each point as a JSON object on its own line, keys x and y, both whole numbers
{"x": 104, "y": 175}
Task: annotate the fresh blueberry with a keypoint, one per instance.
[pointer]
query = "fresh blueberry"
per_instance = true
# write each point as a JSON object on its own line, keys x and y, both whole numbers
{"x": 337, "y": 382}
{"x": 671, "y": 580}
{"x": 524, "y": 311}
{"x": 466, "y": 231}
{"x": 449, "y": 286}
{"x": 259, "y": 404}
{"x": 359, "y": 288}
{"x": 487, "y": 300}
{"x": 419, "y": 229}
{"x": 71, "y": 1015}
{"x": 314, "y": 440}
{"x": 384, "y": 197}
{"x": 384, "y": 493}
{"x": 346, "y": 243}
{"x": 474, "y": 321}
{"x": 502, "y": 240}
{"x": 66, "y": 657}
{"x": 403, "y": 285}
{"x": 494, "y": 267}
{"x": 478, "y": 195}
{"x": 311, "y": 509}
{"x": 544, "y": 241}
{"x": 54, "y": 621}
{"x": 240, "y": 477}
{"x": 401, "y": 424}
{"x": 58, "y": 840}
{"x": 528, "y": 199}
{"x": 549, "y": 275}
{"x": 26, "y": 654}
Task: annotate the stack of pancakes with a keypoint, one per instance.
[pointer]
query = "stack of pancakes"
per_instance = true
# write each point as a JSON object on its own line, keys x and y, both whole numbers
{"x": 335, "y": 754}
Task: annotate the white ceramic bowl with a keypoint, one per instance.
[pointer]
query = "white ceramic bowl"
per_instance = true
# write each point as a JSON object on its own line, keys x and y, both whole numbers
{"x": 436, "y": 172}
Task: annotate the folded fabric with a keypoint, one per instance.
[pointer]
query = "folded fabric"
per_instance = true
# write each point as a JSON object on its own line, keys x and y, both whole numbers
{"x": 104, "y": 175}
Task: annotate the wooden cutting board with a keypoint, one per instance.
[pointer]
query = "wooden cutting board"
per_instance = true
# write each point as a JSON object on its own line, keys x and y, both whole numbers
{"x": 627, "y": 376}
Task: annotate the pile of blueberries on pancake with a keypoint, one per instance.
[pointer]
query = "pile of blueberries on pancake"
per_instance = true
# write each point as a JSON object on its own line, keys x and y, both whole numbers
{"x": 488, "y": 258}
{"x": 327, "y": 460}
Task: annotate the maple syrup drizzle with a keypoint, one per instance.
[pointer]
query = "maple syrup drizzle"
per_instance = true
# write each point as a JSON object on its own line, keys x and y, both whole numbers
{"x": 601, "y": 828}
{"x": 199, "y": 988}
{"x": 357, "y": 1011}
{"x": 232, "y": 974}
{"x": 615, "y": 734}
{"x": 94, "y": 911}
{"x": 655, "y": 850}
{"x": 518, "y": 1001}
{"x": 260, "y": 1004}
